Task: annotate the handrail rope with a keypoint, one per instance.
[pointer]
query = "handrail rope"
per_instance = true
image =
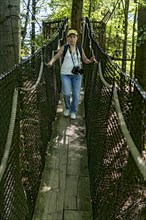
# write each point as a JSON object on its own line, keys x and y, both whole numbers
{"x": 59, "y": 40}
{"x": 10, "y": 134}
{"x": 66, "y": 25}
{"x": 57, "y": 31}
{"x": 83, "y": 32}
{"x": 109, "y": 86}
{"x": 141, "y": 164}
{"x": 90, "y": 40}
{"x": 59, "y": 46}
{"x": 62, "y": 35}
{"x": 38, "y": 79}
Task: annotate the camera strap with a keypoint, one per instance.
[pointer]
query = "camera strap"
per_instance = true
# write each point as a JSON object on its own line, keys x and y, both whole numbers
{"x": 72, "y": 55}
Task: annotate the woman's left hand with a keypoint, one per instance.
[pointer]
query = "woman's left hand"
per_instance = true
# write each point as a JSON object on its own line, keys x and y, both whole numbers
{"x": 92, "y": 59}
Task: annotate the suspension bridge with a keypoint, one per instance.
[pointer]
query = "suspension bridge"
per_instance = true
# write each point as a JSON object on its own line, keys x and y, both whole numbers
{"x": 58, "y": 169}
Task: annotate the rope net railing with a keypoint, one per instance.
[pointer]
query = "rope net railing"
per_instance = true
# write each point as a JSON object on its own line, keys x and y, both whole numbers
{"x": 29, "y": 96}
{"x": 118, "y": 184}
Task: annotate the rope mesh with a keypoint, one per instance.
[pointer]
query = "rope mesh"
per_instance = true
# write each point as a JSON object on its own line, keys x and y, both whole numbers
{"x": 117, "y": 187}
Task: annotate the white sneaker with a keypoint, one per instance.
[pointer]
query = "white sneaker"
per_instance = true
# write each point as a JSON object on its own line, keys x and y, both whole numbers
{"x": 66, "y": 112}
{"x": 73, "y": 116}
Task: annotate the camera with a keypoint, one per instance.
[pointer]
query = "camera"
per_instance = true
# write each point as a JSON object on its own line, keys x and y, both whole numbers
{"x": 76, "y": 70}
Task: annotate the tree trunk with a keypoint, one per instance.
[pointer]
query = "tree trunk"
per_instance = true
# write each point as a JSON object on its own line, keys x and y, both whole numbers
{"x": 140, "y": 67}
{"x": 90, "y": 8}
{"x": 76, "y": 15}
{"x": 26, "y": 24}
{"x": 9, "y": 34}
{"x": 126, "y": 10}
{"x": 33, "y": 26}
{"x": 133, "y": 43}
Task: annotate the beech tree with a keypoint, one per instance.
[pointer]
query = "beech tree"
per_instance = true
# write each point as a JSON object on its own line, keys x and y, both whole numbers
{"x": 9, "y": 34}
{"x": 76, "y": 15}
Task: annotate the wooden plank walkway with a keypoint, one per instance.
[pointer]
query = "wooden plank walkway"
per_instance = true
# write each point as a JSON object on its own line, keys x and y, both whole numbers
{"x": 65, "y": 189}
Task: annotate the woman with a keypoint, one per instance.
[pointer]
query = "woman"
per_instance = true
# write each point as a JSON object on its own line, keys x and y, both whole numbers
{"x": 71, "y": 77}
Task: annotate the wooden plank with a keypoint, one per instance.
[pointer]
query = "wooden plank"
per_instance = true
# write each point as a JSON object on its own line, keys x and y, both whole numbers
{"x": 77, "y": 196}
{"x": 77, "y": 215}
{"x": 84, "y": 186}
{"x": 71, "y": 185}
{"x": 84, "y": 197}
{"x": 52, "y": 160}
{"x": 71, "y": 192}
{"x": 77, "y": 160}
{"x": 70, "y": 202}
{"x": 84, "y": 203}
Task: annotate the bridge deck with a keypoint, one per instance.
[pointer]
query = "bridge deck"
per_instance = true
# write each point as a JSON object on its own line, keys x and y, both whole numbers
{"x": 65, "y": 190}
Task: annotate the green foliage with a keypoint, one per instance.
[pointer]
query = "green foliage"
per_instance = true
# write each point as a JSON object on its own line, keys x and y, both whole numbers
{"x": 42, "y": 10}
{"x": 60, "y": 9}
{"x": 141, "y": 35}
{"x": 142, "y": 3}
{"x": 40, "y": 41}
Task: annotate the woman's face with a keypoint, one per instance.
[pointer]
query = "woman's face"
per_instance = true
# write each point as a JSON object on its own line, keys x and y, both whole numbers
{"x": 72, "y": 39}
